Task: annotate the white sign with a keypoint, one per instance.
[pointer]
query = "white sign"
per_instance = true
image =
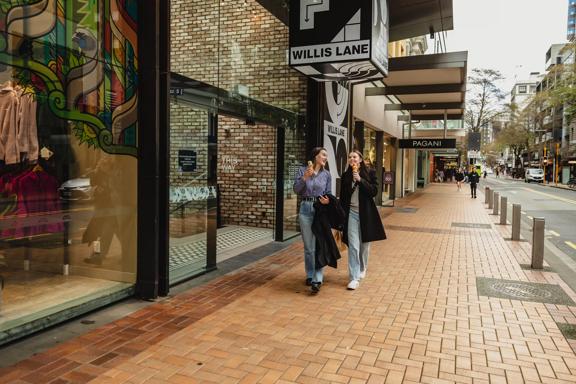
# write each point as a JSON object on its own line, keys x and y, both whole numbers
{"x": 474, "y": 155}
{"x": 333, "y": 52}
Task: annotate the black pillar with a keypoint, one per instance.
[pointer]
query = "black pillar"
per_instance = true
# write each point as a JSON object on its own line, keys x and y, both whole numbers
{"x": 153, "y": 61}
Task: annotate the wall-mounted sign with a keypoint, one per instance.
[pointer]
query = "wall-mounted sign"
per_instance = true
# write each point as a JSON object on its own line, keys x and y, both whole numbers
{"x": 427, "y": 143}
{"x": 187, "y": 160}
{"x": 339, "y": 40}
{"x": 335, "y": 116}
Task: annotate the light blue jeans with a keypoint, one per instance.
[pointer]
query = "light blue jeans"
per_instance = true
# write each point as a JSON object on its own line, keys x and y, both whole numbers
{"x": 357, "y": 250}
{"x": 306, "y": 217}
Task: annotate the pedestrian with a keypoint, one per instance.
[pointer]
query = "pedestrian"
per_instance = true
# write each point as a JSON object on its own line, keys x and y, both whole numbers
{"x": 441, "y": 175}
{"x": 497, "y": 173}
{"x": 474, "y": 179}
{"x": 313, "y": 183}
{"x": 362, "y": 224}
{"x": 485, "y": 174}
{"x": 459, "y": 178}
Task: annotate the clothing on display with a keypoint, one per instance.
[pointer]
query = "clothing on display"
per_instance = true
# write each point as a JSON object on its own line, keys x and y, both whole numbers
{"x": 35, "y": 193}
{"x": 18, "y": 128}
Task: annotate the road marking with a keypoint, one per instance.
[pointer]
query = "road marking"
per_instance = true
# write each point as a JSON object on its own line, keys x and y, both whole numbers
{"x": 523, "y": 212}
{"x": 552, "y": 196}
{"x": 554, "y": 233}
{"x": 513, "y": 192}
{"x": 530, "y": 217}
{"x": 570, "y": 244}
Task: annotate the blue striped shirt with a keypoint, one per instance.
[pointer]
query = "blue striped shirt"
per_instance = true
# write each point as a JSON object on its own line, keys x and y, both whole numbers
{"x": 316, "y": 185}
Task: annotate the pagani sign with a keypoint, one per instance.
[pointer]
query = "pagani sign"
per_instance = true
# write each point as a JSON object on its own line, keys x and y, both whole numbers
{"x": 427, "y": 143}
{"x": 334, "y": 40}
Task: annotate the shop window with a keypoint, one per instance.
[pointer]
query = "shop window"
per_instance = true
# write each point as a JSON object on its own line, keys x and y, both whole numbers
{"x": 68, "y": 91}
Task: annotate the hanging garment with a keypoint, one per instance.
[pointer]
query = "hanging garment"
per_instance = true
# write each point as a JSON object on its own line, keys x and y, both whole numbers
{"x": 8, "y": 126}
{"x": 27, "y": 130}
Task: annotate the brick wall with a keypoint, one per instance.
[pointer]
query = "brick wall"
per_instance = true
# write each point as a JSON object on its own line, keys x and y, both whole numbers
{"x": 246, "y": 173}
{"x": 238, "y": 43}
{"x": 246, "y": 45}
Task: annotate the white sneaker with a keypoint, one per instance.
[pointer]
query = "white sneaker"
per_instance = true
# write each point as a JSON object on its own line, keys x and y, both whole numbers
{"x": 353, "y": 284}
{"x": 363, "y": 274}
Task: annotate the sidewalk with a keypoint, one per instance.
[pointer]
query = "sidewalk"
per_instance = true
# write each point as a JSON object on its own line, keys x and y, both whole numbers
{"x": 417, "y": 317}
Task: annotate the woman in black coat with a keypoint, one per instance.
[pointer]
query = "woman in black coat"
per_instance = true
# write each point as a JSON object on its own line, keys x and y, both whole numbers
{"x": 363, "y": 224}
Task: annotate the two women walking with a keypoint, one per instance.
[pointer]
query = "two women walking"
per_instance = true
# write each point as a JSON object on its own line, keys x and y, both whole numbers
{"x": 361, "y": 224}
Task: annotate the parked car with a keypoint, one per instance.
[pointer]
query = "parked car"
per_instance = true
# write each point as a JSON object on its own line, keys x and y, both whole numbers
{"x": 534, "y": 174}
{"x": 76, "y": 190}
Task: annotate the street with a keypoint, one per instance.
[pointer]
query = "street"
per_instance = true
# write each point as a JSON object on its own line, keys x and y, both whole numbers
{"x": 557, "y": 206}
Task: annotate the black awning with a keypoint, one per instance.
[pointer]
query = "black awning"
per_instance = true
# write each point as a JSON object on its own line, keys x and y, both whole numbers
{"x": 428, "y": 86}
{"x": 408, "y": 18}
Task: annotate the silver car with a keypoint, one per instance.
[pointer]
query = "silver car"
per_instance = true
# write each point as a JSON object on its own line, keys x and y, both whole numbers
{"x": 76, "y": 190}
{"x": 534, "y": 174}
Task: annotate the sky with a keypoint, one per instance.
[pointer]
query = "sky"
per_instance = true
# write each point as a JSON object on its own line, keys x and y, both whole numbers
{"x": 511, "y": 36}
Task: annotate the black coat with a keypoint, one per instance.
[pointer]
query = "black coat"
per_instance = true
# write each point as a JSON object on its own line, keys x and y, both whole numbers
{"x": 473, "y": 178}
{"x": 370, "y": 221}
{"x": 326, "y": 218}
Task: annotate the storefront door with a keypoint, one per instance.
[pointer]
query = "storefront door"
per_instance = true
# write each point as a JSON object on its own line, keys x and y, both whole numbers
{"x": 192, "y": 194}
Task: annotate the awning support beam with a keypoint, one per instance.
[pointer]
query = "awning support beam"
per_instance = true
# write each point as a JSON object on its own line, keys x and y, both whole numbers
{"x": 423, "y": 107}
{"x": 415, "y": 90}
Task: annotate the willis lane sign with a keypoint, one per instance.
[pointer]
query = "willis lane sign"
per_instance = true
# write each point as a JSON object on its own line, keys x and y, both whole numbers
{"x": 427, "y": 143}
{"x": 339, "y": 40}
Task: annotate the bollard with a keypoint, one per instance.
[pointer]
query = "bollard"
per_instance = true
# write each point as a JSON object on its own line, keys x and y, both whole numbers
{"x": 496, "y": 203}
{"x": 516, "y": 215}
{"x": 503, "y": 210}
{"x": 486, "y": 193}
{"x": 538, "y": 243}
{"x": 490, "y": 199}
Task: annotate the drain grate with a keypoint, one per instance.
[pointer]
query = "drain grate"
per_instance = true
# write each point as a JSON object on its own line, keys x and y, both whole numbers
{"x": 568, "y": 330}
{"x": 523, "y": 291}
{"x": 528, "y": 267}
{"x": 472, "y": 225}
{"x": 406, "y": 210}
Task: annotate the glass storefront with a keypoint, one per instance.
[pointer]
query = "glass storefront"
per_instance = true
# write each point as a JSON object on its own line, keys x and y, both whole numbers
{"x": 68, "y": 158}
{"x": 229, "y": 60}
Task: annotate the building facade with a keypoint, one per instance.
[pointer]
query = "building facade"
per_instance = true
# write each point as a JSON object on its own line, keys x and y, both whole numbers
{"x": 146, "y": 142}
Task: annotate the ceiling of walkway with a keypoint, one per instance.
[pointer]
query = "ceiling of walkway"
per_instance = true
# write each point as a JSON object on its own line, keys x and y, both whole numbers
{"x": 427, "y": 85}
{"x": 408, "y": 18}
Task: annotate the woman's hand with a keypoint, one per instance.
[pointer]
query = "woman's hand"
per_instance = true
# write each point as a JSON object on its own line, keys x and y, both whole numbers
{"x": 324, "y": 200}
{"x": 308, "y": 174}
{"x": 356, "y": 176}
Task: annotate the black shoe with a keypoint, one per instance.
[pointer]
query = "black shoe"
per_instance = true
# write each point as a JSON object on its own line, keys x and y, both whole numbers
{"x": 315, "y": 288}
{"x": 308, "y": 282}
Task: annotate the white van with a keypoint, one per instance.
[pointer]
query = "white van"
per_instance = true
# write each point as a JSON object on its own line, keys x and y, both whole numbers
{"x": 534, "y": 174}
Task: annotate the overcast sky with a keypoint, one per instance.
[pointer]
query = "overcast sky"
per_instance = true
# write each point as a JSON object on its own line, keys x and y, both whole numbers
{"x": 509, "y": 35}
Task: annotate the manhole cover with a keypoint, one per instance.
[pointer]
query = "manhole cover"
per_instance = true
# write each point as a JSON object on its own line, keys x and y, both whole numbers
{"x": 524, "y": 291}
{"x": 521, "y": 291}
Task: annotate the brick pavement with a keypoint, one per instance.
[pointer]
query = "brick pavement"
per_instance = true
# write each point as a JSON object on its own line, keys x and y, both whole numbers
{"x": 416, "y": 318}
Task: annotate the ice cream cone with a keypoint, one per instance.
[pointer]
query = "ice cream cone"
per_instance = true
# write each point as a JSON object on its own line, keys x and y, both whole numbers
{"x": 310, "y": 164}
{"x": 354, "y": 167}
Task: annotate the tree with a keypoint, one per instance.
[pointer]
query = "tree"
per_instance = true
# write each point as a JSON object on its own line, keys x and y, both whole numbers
{"x": 483, "y": 99}
{"x": 516, "y": 135}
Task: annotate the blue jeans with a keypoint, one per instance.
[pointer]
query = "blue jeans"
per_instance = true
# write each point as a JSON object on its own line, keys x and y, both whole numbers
{"x": 306, "y": 217}
{"x": 357, "y": 250}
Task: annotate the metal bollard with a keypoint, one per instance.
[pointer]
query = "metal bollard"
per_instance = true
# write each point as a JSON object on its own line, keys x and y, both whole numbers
{"x": 490, "y": 199}
{"x": 516, "y": 215}
{"x": 486, "y": 193}
{"x": 496, "y": 203}
{"x": 503, "y": 210}
{"x": 538, "y": 225}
